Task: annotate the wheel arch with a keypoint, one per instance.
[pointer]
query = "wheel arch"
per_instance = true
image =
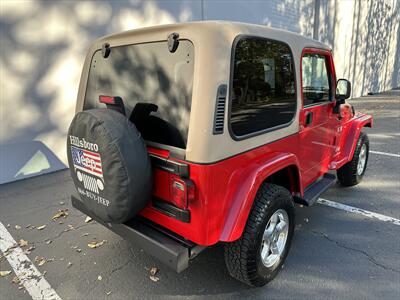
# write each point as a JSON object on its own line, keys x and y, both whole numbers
{"x": 356, "y": 128}
{"x": 274, "y": 171}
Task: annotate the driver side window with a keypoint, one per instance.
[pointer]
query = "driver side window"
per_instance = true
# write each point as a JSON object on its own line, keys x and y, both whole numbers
{"x": 315, "y": 79}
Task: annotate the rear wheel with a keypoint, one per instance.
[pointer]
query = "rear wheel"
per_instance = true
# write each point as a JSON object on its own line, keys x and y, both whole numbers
{"x": 258, "y": 255}
{"x": 352, "y": 172}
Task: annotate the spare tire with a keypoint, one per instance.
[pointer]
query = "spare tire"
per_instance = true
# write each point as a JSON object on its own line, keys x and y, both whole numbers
{"x": 109, "y": 164}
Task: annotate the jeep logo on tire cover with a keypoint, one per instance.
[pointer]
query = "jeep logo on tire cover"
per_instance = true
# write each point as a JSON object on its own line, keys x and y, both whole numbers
{"x": 87, "y": 163}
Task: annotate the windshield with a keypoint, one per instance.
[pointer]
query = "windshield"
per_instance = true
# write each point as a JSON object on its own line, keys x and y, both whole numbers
{"x": 146, "y": 74}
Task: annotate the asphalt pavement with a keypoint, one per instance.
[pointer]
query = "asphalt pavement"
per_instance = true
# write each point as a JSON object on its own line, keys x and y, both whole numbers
{"x": 335, "y": 254}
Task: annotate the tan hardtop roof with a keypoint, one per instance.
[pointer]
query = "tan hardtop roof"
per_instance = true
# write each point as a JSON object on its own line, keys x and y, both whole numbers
{"x": 213, "y": 41}
{"x": 207, "y": 27}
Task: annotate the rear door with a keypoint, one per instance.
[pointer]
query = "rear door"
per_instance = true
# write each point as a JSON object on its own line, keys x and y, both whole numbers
{"x": 316, "y": 133}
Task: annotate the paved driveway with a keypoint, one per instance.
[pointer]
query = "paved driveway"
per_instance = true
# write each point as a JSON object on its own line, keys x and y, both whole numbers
{"x": 335, "y": 253}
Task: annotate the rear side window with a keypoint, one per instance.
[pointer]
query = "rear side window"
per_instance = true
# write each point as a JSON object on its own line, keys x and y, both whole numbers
{"x": 316, "y": 87}
{"x": 263, "y": 87}
{"x": 154, "y": 84}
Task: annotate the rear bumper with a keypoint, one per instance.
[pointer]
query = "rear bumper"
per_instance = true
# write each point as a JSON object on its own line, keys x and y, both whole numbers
{"x": 171, "y": 249}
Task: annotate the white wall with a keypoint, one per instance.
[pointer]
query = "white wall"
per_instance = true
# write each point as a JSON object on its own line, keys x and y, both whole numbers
{"x": 43, "y": 43}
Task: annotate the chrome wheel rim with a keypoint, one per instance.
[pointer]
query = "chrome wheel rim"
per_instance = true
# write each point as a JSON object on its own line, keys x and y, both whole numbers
{"x": 274, "y": 238}
{"x": 362, "y": 159}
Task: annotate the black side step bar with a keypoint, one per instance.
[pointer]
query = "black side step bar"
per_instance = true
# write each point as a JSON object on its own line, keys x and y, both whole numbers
{"x": 171, "y": 249}
{"x": 315, "y": 189}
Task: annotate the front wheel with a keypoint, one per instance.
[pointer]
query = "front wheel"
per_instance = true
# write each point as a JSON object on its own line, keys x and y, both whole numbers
{"x": 258, "y": 255}
{"x": 352, "y": 172}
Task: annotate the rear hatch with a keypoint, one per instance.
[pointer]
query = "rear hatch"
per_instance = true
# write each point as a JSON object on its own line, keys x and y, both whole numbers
{"x": 155, "y": 85}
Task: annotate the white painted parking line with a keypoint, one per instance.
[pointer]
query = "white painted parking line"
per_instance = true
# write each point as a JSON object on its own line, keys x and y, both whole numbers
{"x": 359, "y": 211}
{"x": 384, "y": 153}
{"x": 33, "y": 281}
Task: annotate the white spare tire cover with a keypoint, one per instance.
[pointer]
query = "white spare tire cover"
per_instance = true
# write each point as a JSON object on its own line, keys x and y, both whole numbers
{"x": 109, "y": 164}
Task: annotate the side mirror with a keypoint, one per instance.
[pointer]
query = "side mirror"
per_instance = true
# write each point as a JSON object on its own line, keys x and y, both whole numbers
{"x": 343, "y": 89}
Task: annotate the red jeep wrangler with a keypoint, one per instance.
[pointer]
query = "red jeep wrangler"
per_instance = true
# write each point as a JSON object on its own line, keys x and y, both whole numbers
{"x": 189, "y": 135}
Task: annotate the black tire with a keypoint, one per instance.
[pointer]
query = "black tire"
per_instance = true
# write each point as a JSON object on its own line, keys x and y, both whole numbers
{"x": 243, "y": 257}
{"x": 348, "y": 174}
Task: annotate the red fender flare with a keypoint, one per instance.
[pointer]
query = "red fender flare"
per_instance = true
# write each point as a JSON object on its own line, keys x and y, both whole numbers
{"x": 357, "y": 124}
{"x": 244, "y": 196}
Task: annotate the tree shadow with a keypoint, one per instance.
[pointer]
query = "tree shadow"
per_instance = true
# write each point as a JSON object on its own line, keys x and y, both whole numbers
{"x": 42, "y": 47}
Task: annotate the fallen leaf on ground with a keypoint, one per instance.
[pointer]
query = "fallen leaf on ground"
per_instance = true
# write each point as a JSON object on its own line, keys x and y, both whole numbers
{"x": 71, "y": 226}
{"x": 48, "y": 242}
{"x": 8, "y": 250}
{"x": 79, "y": 250}
{"x": 62, "y": 202}
{"x": 17, "y": 227}
{"x": 23, "y": 243}
{"x": 88, "y": 219}
{"x": 154, "y": 278}
{"x": 30, "y": 249}
{"x": 85, "y": 234}
{"x": 28, "y": 226}
{"x": 4, "y": 273}
{"x": 40, "y": 261}
{"x": 41, "y": 227}
{"x": 108, "y": 293}
{"x": 153, "y": 271}
{"x": 96, "y": 244}
{"x": 16, "y": 280}
{"x": 69, "y": 264}
{"x": 60, "y": 213}
{"x": 98, "y": 277}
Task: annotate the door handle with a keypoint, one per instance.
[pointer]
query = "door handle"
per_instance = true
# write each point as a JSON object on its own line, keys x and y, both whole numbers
{"x": 309, "y": 117}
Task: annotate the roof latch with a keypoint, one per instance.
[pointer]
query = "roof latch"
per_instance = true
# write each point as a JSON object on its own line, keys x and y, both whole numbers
{"x": 173, "y": 42}
{"x": 105, "y": 50}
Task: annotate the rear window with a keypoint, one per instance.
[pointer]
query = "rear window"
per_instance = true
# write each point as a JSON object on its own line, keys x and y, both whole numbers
{"x": 263, "y": 86}
{"x": 143, "y": 75}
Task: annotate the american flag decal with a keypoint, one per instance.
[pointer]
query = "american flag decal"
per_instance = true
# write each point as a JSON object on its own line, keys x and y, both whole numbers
{"x": 87, "y": 161}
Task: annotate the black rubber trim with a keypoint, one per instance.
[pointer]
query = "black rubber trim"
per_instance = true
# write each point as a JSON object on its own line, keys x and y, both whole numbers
{"x": 168, "y": 247}
{"x": 171, "y": 210}
{"x": 219, "y": 113}
{"x": 315, "y": 189}
{"x": 170, "y": 166}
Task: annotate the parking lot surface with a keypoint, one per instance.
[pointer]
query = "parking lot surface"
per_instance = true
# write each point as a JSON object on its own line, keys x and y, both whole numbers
{"x": 335, "y": 253}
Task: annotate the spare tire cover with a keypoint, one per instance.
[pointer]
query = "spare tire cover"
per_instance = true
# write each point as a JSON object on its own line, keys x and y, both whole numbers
{"x": 109, "y": 164}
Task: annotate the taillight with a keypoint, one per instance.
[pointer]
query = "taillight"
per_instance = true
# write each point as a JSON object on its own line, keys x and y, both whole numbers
{"x": 106, "y": 99}
{"x": 182, "y": 191}
{"x": 113, "y": 102}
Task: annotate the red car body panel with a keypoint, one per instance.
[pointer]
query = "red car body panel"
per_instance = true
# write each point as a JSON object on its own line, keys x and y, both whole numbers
{"x": 348, "y": 134}
{"x": 225, "y": 190}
